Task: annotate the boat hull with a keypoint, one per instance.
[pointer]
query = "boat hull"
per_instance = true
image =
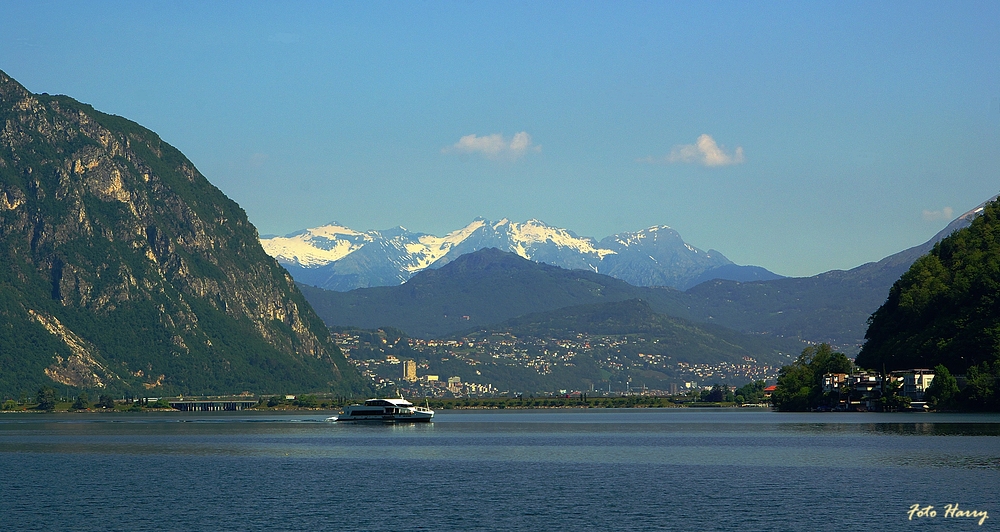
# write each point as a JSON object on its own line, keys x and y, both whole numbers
{"x": 380, "y": 419}
{"x": 384, "y": 411}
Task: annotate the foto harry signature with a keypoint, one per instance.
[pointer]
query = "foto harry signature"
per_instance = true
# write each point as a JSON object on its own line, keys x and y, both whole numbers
{"x": 950, "y": 511}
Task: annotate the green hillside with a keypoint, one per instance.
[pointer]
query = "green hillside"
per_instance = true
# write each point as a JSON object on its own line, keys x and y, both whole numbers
{"x": 683, "y": 340}
{"x": 946, "y": 308}
{"x": 832, "y": 307}
{"x": 126, "y": 271}
{"x": 474, "y": 290}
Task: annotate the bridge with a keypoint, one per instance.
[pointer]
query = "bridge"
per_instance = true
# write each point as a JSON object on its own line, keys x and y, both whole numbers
{"x": 224, "y": 405}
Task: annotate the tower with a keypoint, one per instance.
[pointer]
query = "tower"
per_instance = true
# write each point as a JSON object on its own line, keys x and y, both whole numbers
{"x": 410, "y": 371}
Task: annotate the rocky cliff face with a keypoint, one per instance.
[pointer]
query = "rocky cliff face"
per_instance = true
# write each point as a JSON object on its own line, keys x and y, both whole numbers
{"x": 146, "y": 275}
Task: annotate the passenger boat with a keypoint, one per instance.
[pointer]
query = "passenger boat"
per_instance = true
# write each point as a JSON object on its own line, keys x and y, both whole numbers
{"x": 386, "y": 411}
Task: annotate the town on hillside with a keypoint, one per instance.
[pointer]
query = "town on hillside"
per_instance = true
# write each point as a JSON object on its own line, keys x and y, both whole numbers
{"x": 504, "y": 364}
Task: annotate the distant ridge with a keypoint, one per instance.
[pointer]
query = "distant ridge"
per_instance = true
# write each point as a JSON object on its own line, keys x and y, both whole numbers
{"x": 334, "y": 257}
{"x": 945, "y": 308}
{"x": 830, "y": 307}
{"x": 495, "y": 290}
{"x": 479, "y": 288}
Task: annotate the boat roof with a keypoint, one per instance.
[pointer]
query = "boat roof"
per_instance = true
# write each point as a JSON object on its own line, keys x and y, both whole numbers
{"x": 394, "y": 402}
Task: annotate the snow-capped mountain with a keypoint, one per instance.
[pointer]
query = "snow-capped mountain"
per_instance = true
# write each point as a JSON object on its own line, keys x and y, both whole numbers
{"x": 335, "y": 257}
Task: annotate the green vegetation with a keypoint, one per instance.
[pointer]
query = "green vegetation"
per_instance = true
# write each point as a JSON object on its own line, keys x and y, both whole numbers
{"x": 46, "y": 398}
{"x": 580, "y": 401}
{"x": 945, "y": 311}
{"x": 800, "y": 384}
{"x": 752, "y": 393}
{"x": 475, "y": 290}
{"x": 719, "y": 393}
{"x": 125, "y": 270}
{"x": 982, "y": 388}
{"x": 943, "y": 392}
{"x": 681, "y": 339}
{"x": 306, "y": 401}
{"x": 106, "y": 401}
{"x": 82, "y": 402}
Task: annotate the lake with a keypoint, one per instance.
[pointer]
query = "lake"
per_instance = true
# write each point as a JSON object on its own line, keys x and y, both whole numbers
{"x": 599, "y": 469}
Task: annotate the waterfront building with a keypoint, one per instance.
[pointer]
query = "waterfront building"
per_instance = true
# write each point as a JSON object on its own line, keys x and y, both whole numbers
{"x": 915, "y": 382}
{"x": 833, "y": 382}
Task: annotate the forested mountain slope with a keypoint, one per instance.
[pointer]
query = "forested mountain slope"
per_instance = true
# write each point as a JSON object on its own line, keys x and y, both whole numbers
{"x": 946, "y": 308}
{"x": 124, "y": 269}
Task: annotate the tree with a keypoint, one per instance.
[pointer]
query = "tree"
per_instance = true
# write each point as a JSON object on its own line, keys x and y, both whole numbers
{"x": 800, "y": 384}
{"x": 717, "y": 394}
{"x": 82, "y": 402}
{"x": 892, "y": 400}
{"x": 160, "y": 403}
{"x": 730, "y": 396}
{"x": 46, "y": 398}
{"x": 751, "y": 393}
{"x": 943, "y": 391}
{"x": 794, "y": 387}
{"x": 982, "y": 382}
{"x": 306, "y": 401}
{"x": 106, "y": 401}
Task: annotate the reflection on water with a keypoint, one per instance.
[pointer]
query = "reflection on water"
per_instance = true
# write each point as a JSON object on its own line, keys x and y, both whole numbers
{"x": 609, "y": 436}
{"x": 513, "y": 470}
{"x": 937, "y": 429}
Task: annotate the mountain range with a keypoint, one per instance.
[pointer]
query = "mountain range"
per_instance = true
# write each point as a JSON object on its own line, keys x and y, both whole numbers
{"x": 334, "y": 257}
{"x": 487, "y": 287}
{"x": 491, "y": 289}
{"x": 126, "y": 271}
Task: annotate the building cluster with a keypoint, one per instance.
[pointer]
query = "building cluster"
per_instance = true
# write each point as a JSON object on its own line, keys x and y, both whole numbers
{"x": 428, "y": 385}
{"x": 633, "y": 362}
{"x": 748, "y": 370}
{"x": 434, "y": 386}
{"x": 864, "y": 390}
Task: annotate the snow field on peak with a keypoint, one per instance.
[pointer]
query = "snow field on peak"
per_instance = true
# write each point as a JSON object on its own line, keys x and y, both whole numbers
{"x": 428, "y": 249}
{"x": 332, "y": 230}
{"x": 536, "y": 232}
{"x": 330, "y": 243}
{"x": 306, "y": 252}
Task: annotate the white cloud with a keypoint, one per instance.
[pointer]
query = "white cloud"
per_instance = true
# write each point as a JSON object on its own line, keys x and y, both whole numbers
{"x": 704, "y": 151}
{"x": 494, "y": 146}
{"x": 947, "y": 213}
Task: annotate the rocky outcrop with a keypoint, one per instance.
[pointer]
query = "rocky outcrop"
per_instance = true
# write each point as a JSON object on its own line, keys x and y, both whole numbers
{"x": 105, "y": 225}
{"x": 82, "y": 368}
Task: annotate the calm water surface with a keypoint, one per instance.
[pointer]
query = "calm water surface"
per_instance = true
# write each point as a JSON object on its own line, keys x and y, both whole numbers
{"x": 632, "y": 469}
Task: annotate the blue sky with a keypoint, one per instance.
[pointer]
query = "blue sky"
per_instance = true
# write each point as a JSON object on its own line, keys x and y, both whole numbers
{"x": 798, "y": 136}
